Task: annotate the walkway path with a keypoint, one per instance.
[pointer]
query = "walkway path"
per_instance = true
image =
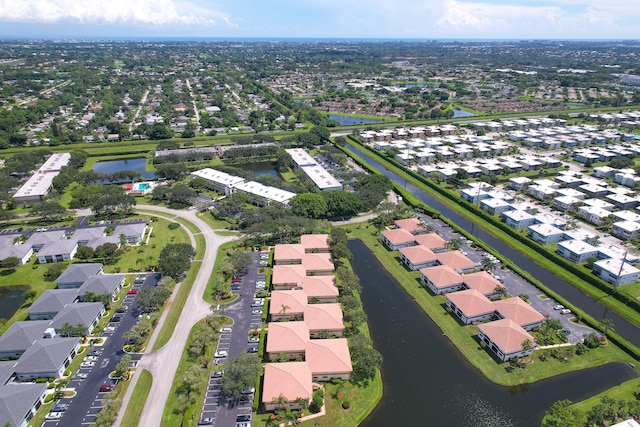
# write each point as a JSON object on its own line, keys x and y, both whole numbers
{"x": 142, "y": 102}
{"x": 163, "y": 363}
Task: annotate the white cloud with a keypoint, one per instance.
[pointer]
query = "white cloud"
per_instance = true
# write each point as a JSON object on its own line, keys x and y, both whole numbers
{"x": 154, "y": 12}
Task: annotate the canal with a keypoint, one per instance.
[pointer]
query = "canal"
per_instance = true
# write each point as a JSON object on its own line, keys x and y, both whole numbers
{"x": 594, "y": 308}
{"x": 427, "y": 382}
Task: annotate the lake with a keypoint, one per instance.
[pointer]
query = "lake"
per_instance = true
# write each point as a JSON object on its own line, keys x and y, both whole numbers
{"x": 350, "y": 120}
{"x": 11, "y": 299}
{"x": 462, "y": 113}
{"x": 427, "y": 381}
{"x": 259, "y": 168}
{"x": 112, "y": 166}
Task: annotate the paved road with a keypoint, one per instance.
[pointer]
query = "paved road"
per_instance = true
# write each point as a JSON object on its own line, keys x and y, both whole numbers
{"x": 163, "y": 363}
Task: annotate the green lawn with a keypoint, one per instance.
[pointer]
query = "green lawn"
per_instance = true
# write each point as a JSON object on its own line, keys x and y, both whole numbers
{"x": 176, "y": 307}
{"x": 216, "y": 275}
{"x": 215, "y": 224}
{"x": 624, "y": 391}
{"x": 172, "y": 415}
{"x": 138, "y": 399}
{"x": 464, "y": 336}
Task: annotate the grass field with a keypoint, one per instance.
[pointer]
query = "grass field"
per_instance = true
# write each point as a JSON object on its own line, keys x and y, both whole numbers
{"x": 464, "y": 336}
{"x": 138, "y": 398}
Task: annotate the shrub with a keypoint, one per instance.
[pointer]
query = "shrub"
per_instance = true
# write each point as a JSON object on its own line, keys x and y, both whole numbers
{"x": 174, "y": 226}
{"x": 48, "y": 398}
{"x": 346, "y": 404}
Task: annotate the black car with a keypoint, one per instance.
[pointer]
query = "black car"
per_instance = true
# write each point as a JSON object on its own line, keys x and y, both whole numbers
{"x": 116, "y": 319}
{"x": 121, "y": 310}
{"x": 59, "y": 407}
{"x": 241, "y": 418}
{"x": 252, "y": 350}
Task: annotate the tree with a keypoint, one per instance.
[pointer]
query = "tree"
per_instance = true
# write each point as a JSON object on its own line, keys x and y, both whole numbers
{"x": 239, "y": 373}
{"x": 84, "y": 253}
{"x": 175, "y": 259}
{"x": 310, "y": 205}
{"x": 172, "y": 171}
{"x": 342, "y": 204}
{"x": 181, "y": 195}
{"x": 340, "y": 250}
{"x": 454, "y": 244}
{"x": 527, "y": 345}
{"x": 160, "y": 131}
{"x": 365, "y": 360}
{"x": 240, "y": 260}
{"x": 607, "y": 325}
{"x": 337, "y": 235}
{"x": 561, "y": 414}
{"x": 488, "y": 263}
{"x": 69, "y": 330}
{"x": 122, "y": 368}
{"x": 10, "y": 263}
{"x": 48, "y": 210}
{"x": 54, "y": 271}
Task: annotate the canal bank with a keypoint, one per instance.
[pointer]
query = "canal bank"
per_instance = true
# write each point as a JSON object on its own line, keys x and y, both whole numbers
{"x": 591, "y": 306}
{"x": 427, "y": 381}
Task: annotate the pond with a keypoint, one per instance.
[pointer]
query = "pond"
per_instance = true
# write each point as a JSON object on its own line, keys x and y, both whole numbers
{"x": 427, "y": 382}
{"x": 113, "y": 166}
{"x": 462, "y": 113}
{"x": 11, "y": 299}
{"x": 350, "y": 120}
{"x": 259, "y": 168}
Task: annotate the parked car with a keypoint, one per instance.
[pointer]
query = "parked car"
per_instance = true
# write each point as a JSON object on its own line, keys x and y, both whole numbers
{"x": 237, "y": 280}
{"x": 241, "y": 418}
{"x": 104, "y": 388}
{"x": 254, "y": 339}
{"x": 132, "y": 292}
{"x": 217, "y": 374}
{"x": 558, "y": 307}
{"x": 248, "y": 390}
{"x": 252, "y": 350}
{"x": 261, "y": 282}
{"x": 256, "y": 312}
{"x": 206, "y": 421}
{"x": 122, "y": 309}
{"x": 88, "y": 364}
{"x": 257, "y": 304}
{"x": 60, "y": 407}
{"x": 53, "y": 416}
{"x": 81, "y": 375}
{"x": 109, "y": 328}
{"x": 565, "y": 311}
{"x": 226, "y": 330}
{"x": 221, "y": 353}
{"x": 116, "y": 319}
{"x": 91, "y": 358}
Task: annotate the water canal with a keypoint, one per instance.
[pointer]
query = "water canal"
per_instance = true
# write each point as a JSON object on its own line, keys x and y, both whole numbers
{"x": 427, "y": 382}
{"x": 11, "y": 299}
{"x": 594, "y": 308}
{"x": 113, "y": 166}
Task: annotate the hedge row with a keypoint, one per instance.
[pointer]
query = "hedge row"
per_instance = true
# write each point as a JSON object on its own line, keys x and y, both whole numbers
{"x": 417, "y": 204}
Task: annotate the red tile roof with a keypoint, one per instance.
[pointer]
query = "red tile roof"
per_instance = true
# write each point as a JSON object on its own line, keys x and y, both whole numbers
{"x": 430, "y": 240}
{"x": 317, "y": 261}
{"x": 471, "y": 302}
{"x": 287, "y": 337}
{"x": 418, "y": 254}
{"x": 455, "y": 260}
{"x": 323, "y": 316}
{"x": 315, "y": 241}
{"x": 506, "y": 334}
{"x": 289, "y": 379}
{"x": 482, "y": 282}
{"x": 442, "y": 276}
{"x": 518, "y": 311}
{"x": 398, "y": 236}
{"x": 320, "y": 286}
{"x": 412, "y": 225}
{"x": 328, "y": 356}
{"x": 288, "y": 252}
{"x": 288, "y": 274}
{"x": 295, "y": 300}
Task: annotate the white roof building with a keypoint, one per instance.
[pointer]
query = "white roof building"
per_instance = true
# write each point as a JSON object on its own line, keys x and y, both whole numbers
{"x": 220, "y": 181}
{"x": 262, "y": 195}
{"x": 301, "y": 157}
{"x": 321, "y": 178}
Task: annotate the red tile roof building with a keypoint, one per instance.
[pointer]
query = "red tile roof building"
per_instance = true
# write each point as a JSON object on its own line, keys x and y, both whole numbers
{"x": 441, "y": 279}
{"x": 329, "y": 359}
{"x": 470, "y": 306}
{"x": 520, "y": 312}
{"x": 291, "y": 380}
{"x": 505, "y": 338}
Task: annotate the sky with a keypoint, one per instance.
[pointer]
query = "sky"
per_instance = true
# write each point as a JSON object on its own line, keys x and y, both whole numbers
{"x": 361, "y": 19}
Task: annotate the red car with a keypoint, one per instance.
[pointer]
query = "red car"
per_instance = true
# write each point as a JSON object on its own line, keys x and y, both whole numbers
{"x": 106, "y": 388}
{"x": 236, "y": 280}
{"x": 132, "y": 291}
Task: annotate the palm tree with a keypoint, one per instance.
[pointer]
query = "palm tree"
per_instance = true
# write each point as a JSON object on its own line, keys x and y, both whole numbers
{"x": 488, "y": 264}
{"x": 607, "y": 325}
{"x": 454, "y": 244}
{"x": 284, "y": 308}
{"x": 526, "y": 346}
{"x": 501, "y": 291}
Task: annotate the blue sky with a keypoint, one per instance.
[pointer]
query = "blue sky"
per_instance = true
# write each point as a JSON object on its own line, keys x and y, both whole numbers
{"x": 458, "y": 19}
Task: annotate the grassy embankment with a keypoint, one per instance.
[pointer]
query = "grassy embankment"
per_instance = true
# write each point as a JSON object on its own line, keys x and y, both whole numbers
{"x": 134, "y": 409}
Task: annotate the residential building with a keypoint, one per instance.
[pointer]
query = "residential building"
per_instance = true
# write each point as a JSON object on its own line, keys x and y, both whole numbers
{"x": 287, "y": 340}
{"x": 577, "y": 251}
{"x": 63, "y": 250}
{"x": 470, "y": 306}
{"x": 46, "y": 358}
{"x": 315, "y": 242}
{"x": 456, "y": 260}
{"x": 566, "y": 203}
{"x": 263, "y": 195}
{"x": 20, "y": 402}
{"x": 287, "y": 305}
{"x": 441, "y": 279}
{"x": 39, "y": 239}
{"x": 320, "y": 289}
{"x": 518, "y": 219}
{"x": 329, "y": 359}
{"x": 51, "y": 302}
{"x": 288, "y": 276}
{"x": 87, "y": 314}
{"x": 616, "y": 271}
{"x": 102, "y": 284}
{"x": 324, "y": 319}
{"x": 291, "y": 380}
{"x": 520, "y": 312}
{"x": 495, "y": 206}
{"x": 217, "y": 180}
{"x": 133, "y": 232}
{"x": 397, "y": 238}
{"x": 626, "y": 230}
{"x": 20, "y": 336}
{"x": 412, "y": 225}
{"x": 76, "y": 274}
{"x": 484, "y": 283}
{"x": 417, "y": 257}
{"x": 10, "y": 249}
{"x": 317, "y": 264}
{"x": 288, "y": 254}
{"x": 432, "y": 241}
{"x": 505, "y": 339}
{"x": 545, "y": 234}
{"x": 322, "y": 178}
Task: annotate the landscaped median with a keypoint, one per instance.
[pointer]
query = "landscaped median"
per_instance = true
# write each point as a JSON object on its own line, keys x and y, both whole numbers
{"x": 464, "y": 337}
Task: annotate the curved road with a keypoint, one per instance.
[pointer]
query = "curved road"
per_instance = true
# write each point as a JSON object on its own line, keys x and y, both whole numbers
{"x": 163, "y": 363}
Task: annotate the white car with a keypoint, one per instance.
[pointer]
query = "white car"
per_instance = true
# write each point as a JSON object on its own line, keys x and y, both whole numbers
{"x": 260, "y": 282}
{"x": 88, "y": 364}
{"x": 53, "y": 416}
{"x": 226, "y": 330}
{"x": 565, "y": 311}
{"x": 221, "y": 353}
{"x": 558, "y": 307}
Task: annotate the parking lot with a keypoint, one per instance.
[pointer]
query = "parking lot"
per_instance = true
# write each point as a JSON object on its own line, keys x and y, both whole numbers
{"x": 91, "y": 382}
{"x": 246, "y": 312}
{"x": 515, "y": 284}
